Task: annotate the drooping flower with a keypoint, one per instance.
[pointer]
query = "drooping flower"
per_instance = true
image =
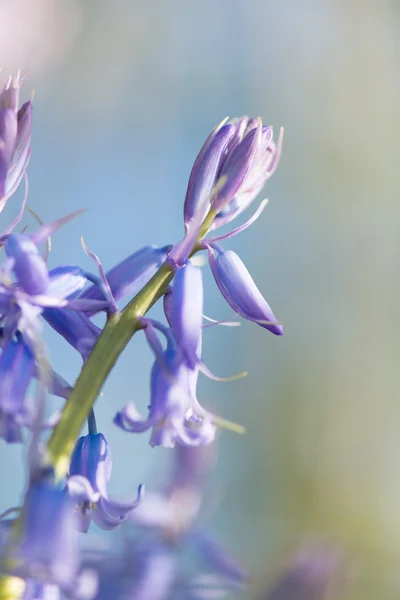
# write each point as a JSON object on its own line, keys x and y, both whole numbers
{"x": 34, "y": 288}
{"x": 168, "y": 522}
{"x": 15, "y": 138}
{"x": 239, "y": 289}
{"x": 228, "y": 174}
{"x": 90, "y": 471}
{"x": 175, "y": 415}
{"x": 46, "y": 549}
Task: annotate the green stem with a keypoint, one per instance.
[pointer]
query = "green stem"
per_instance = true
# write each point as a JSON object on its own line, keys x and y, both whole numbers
{"x": 115, "y": 336}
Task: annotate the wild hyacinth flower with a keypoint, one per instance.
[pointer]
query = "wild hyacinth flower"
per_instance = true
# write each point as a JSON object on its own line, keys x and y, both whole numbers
{"x": 17, "y": 368}
{"x": 89, "y": 475}
{"x": 15, "y": 138}
{"x": 175, "y": 415}
{"x": 47, "y": 550}
{"x": 239, "y": 290}
{"x": 228, "y": 174}
{"x": 168, "y": 522}
{"x": 22, "y": 301}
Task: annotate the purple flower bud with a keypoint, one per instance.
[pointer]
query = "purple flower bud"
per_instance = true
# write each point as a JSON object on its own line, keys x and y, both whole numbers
{"x": 240, "y": 291}
{"x": 229, "y": 172}
{"x": 90, "y": 472}
{"x": 130, "y": 275}
{"x": 205, "y": 172}
{"x": 29, "y": 267}
{"x": 15, "y": 137}
{"x": 17, "y": 367}
{"x": 264, "y": 163}
{"x": 186, "y": 312}
{"x": 236, "y": 167}
{"x": 47, "y": 550}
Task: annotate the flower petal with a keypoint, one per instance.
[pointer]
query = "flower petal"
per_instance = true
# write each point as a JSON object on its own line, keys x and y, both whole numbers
{"x": 240, "y": 291}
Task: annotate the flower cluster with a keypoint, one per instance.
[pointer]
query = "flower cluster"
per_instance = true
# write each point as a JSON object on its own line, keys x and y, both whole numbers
{"x": 39, "y": 544}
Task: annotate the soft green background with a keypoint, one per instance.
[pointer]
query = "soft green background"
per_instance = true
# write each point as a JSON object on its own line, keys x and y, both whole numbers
{"x": 126, "y": 92}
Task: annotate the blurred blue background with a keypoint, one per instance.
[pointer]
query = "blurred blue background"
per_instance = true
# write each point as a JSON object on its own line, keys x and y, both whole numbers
{"x": 126, "y": 93}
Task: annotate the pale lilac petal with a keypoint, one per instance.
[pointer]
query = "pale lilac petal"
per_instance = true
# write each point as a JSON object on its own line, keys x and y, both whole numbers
{"x": 240, "y": 291}
{"x": 130, "y": 275}
{"x": 186, "y": 311}
{"x": 66, "y": 282}
{"x": 205, "y": 171}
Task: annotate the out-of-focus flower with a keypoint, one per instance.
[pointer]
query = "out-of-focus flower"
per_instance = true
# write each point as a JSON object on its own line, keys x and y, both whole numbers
{"x": 47, "y": 549}
{"x": 17, "y": 367}
{"x": 312, "y": 574}
{"x": 240, "y": 291}
{"x": 15, "y": 138}
{"x": 90, "y": 471}
{"x": 27, "y": 287}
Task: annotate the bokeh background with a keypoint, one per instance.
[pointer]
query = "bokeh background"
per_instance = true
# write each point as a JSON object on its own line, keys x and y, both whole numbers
{"x": 126, "y": 92}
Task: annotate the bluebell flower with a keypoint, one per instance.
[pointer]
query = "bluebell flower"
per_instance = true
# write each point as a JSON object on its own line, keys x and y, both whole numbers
{"x": 15, "y": 138}
{"x": 228, "y": 174}
{"x": 175, "y": 414}
{"x": 313, "y": 573}
{"x": 89, "y": 475}
{"x": 239, "y": 290}
{"x": 17, "y": 368}
{"x": 46, "y": 549}
{"x": 168, "y": 523}
{"x": 34, "y": 288}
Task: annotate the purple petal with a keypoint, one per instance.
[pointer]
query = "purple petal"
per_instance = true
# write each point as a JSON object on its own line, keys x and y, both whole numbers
{"x": 236, "y": 167}
{"x": 186, "y": 311}
{"x": 91, "y": 458}
{"x": 66, "y": 282}
{"x": 17, "y": 367}
{"x": 29, "y": 267}
{"x": 205, "y": 171}
{"x": 130, "y": 275}
{"x": 81, "y": 490}
{"x": 48, "y": 548}
{"x": 74, "y": 327}
{"x": 129, "y": 419}
{"x": 240, "y": 291}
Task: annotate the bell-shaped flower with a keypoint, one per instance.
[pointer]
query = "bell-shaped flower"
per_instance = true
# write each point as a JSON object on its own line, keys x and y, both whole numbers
{"x": 15, "y": 138}
{"x": 46, "y": 548}
{"x": 27, "y": 287}
{"x": 175, "y": 415}
{"x": 130, "y": 275}
{"x": 17, "y": 367}
{"x": 185, "y": 312}
{"x": 239, "y": 289}
{"x": 89, "y": 475}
